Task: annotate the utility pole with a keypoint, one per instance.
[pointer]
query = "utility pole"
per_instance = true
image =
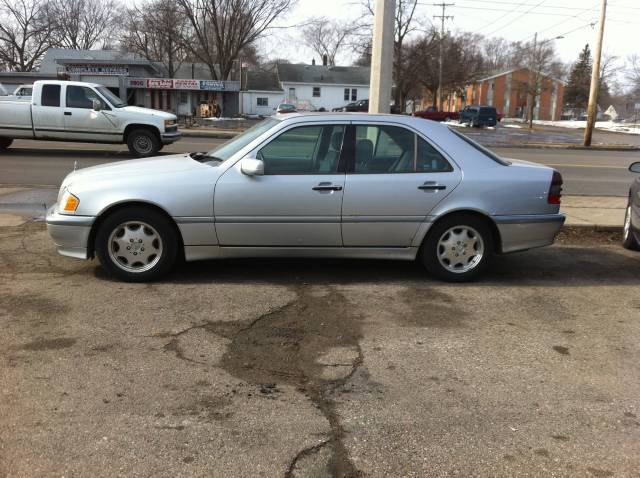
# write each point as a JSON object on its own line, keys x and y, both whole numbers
{"x": 382, "y": 56}
{"x": 442, "y": 18}
{"x": 533, "y": 82}
{"x": 592, "y": 110}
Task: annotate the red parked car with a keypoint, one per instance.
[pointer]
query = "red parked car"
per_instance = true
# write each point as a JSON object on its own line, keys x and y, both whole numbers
{"x": 432, "y": 113}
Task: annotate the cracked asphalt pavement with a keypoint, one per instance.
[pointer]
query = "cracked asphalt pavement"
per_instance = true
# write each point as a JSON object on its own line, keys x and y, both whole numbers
{"x": 309, "y": 368}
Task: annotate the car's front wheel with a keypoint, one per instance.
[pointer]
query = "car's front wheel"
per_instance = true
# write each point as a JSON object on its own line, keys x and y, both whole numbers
{"x": 143, "y": 143}
{"x": 629, "y": 241}
{"x": 137, "y": 244}
{"x": 5, "y": 143}
{"x": 458, "y": 248}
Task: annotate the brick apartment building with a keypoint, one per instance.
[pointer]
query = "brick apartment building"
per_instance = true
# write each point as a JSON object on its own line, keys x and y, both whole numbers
{"x": 507, "y": 91}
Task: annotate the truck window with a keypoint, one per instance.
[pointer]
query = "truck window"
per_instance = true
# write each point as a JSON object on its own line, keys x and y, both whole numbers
{"x": 81, "y": 97}
{"x": 50, "y": 95}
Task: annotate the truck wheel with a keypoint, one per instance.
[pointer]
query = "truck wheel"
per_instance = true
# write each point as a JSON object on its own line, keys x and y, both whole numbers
{"x": 5, "y": 143}
{"x": 143, "y": 143}
{"x": 136, "y": 244}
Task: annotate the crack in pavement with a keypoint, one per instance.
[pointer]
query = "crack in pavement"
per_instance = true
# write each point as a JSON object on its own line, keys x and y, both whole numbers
{"x": 289, "y": 344}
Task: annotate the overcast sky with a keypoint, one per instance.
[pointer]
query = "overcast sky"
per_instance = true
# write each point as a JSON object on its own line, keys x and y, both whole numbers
{"x": 512, "y": 19}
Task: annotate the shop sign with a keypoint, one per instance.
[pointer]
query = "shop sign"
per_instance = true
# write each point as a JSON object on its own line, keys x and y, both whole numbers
{"x": 186, "y": 84}
{"x": 159, "y": 84}
{"x": 212, "y": 85}
{"x": 136, "y": 83}
{"x": 107, "y": 70}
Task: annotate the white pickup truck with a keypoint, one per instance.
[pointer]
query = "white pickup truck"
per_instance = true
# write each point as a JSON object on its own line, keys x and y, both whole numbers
{"x": 87, "y": 112}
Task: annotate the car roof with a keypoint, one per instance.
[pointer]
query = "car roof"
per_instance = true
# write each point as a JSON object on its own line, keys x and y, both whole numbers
{"x": 411, "y": 121}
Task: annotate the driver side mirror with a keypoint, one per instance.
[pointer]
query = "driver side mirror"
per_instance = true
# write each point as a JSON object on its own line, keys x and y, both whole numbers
{"x": 252, "y": 167}
{"x": 635, "y": 167}
{"x": 97, "y": 105}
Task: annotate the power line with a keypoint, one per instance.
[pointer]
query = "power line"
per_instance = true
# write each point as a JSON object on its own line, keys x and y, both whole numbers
{"x": 505, "y": 10}
{"x": 518, "y": 17}
{"x": 501, "y": 17}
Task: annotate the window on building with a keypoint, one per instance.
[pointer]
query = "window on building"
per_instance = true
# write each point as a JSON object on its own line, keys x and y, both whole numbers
{"x": 354, "y": 94}
{"x": 346, "y": 94}
{"x": 184, "y": 97}
{"x": 262, "y": 101}
{"x": 316, "y": 92}
{"x": 50, "y": 95}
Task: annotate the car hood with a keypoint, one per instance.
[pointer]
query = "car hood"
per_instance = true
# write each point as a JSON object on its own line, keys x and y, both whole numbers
{"x": 135, "y": 168}
{"x": 148, "y": 111}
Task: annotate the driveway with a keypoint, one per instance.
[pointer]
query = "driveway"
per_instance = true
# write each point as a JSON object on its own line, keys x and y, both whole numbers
{"x": 320, "y": 368}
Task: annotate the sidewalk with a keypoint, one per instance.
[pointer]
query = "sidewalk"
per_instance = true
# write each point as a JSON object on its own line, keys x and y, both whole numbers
{"x": 599, "y": 213}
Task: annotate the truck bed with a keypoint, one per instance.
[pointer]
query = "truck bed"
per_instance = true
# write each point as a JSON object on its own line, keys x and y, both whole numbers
{"x": 15, "y": 119}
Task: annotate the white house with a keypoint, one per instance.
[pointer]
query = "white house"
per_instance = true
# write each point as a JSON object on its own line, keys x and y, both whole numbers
{"x": 309, "y": 87}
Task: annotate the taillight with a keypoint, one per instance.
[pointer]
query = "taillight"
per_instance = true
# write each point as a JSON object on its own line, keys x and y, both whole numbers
{"x": 555, "y": 191}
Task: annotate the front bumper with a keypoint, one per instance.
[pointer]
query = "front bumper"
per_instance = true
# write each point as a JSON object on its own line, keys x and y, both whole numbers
{"x": 168, "y": 138}
{"x": 70, "y": 234}
{"x": 518, "y": 233}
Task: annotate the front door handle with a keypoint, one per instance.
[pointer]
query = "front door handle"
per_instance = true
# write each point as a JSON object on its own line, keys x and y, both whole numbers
{"x": 326, "y": 187}
{"x": 431, "y": 186}
{"x": 67, "y": 113}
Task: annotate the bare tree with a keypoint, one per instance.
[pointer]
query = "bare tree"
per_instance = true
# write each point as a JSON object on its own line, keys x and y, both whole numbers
{"x": 222, "y": 28}
{"x": 327, "y": 37}
{"x": 158, "y": 31}
{"x": 541, "y": 59}
{"x": 84, "y": 24}
{"x": 26, "y": 33}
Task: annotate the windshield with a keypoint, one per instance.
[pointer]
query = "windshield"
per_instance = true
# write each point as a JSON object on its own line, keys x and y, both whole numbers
{"x": 111, "y": 98}
{"x": 231, "y": 147}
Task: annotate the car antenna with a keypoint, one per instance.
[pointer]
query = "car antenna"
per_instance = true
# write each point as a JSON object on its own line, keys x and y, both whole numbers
{"x": 75, "y": 164}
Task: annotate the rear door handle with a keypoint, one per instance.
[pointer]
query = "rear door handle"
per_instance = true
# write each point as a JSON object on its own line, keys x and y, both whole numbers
{"x": 67, "y": 113}
{"x": 326, "y": 187}
{"x": 429, "y": 186}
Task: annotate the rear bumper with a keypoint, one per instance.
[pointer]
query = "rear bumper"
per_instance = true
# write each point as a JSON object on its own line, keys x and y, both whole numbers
{"x": 70, "y": 234}
{"x": 518, "y": 233}
{"x": 168, "y": 138}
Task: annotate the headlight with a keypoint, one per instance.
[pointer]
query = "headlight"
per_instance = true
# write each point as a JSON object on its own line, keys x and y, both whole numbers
{"x": 68, "y": 202}
{"x": 169, "y": 122}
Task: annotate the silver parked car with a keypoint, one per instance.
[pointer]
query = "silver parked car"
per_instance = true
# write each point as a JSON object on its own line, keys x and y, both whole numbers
{"x": 312, "y": 185}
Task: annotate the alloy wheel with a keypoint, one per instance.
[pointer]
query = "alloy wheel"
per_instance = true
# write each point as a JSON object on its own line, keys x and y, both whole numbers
{"x": 460, "y": 249}
{"x": 135, "y": 246}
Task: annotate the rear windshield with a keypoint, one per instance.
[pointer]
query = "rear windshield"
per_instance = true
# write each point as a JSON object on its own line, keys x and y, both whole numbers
{"x": 481, "y": 148}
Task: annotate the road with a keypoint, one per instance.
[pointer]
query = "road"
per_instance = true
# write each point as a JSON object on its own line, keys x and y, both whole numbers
{"x": 593, "y": 173}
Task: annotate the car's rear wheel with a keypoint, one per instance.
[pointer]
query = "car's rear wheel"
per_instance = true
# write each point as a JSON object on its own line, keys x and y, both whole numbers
{"x": 143, "y": 143}
{"x": 458, "y": 248}
{"x": 5, "y": 143}
{"x": 137, "y": 244}
{"x": 629, "y": 241}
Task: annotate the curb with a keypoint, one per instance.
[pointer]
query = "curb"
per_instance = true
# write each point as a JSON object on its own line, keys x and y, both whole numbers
{"x": 592, "y": 227}
{"x": 603, "y": 147}
{"x": 210, "y": 134}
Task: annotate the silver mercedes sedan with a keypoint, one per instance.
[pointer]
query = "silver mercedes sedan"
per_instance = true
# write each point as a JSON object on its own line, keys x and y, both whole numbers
{"x": 312, "y": 185}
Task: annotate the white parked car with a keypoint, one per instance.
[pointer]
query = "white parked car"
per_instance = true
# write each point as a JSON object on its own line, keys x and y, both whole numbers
{"x": 76, "y": 111}
{"x": 315, "y": 185}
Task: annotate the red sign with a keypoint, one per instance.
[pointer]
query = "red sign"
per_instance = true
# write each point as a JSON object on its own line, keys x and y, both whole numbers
{"x": 159, "y": 84}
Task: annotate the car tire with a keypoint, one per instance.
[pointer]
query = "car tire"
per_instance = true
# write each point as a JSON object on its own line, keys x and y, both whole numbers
{"x": 629, "y": 241}
{"x": 458, "y": 248}
{"x": 143, "y": 143}
{"x": 153, "y": 240}
{"x": 5, "y": 143}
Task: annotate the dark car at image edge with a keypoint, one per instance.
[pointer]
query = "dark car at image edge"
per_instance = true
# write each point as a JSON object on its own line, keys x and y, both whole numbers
{"x": 631, "y": 230}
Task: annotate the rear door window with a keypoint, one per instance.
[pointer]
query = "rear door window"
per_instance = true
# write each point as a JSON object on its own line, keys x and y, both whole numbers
{"x": 50, "y": 95}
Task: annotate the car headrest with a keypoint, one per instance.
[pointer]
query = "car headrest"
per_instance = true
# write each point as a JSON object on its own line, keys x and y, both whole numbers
{"x": 336, "y": 140}
{"x": 364, "y": 150}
